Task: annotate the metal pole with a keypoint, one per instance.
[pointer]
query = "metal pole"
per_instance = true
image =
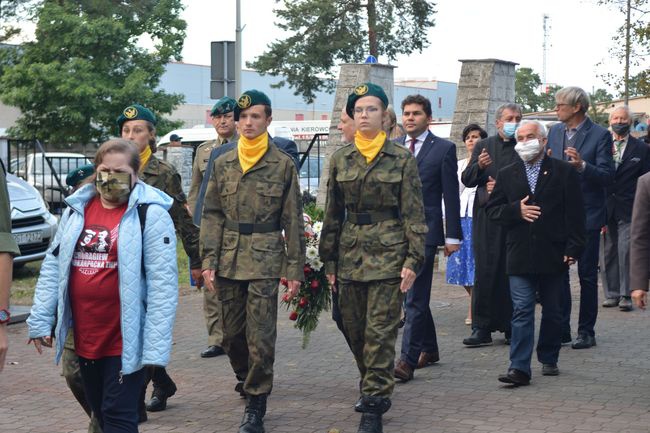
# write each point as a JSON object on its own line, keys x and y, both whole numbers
{"x": 238, "y": 32}
{"x": 627, "y": 53}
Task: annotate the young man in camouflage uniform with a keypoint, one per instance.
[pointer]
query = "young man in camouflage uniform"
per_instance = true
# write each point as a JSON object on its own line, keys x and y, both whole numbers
{"x": 372, "y": 244}
{"x": 252, "y": 196}
{"x": 223, "y": 119}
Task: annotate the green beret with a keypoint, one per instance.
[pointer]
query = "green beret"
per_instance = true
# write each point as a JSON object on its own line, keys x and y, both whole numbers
{"x": 365, "y": 89}
{"x": 250, "y": 98}
{"x": 135, "y": 112}
{"x": 78, "y": 174}
{"x": 223, "y": 105}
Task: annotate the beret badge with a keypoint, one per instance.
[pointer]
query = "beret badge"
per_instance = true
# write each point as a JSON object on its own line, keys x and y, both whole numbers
{"x": 244, "y": 102}
{"x": 130, "y": 112}
{"x": 361, "y": 90}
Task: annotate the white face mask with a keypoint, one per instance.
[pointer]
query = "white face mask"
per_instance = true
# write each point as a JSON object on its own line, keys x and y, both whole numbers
{"x": 528, "y": 150}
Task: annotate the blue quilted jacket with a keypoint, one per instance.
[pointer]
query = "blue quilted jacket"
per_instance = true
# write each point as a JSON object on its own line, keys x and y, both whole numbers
{"x": 148, "y": 301}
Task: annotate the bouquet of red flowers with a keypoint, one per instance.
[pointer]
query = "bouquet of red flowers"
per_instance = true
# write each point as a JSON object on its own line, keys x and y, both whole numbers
{"x": 314, "y": 294}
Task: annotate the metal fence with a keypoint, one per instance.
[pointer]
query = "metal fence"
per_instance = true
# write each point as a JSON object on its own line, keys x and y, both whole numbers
{"x": 311, "y": 164}
{"x": 45, "y": 171}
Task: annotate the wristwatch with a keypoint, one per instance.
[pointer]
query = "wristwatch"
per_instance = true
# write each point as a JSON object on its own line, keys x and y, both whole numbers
{"x": 4, "y": 316}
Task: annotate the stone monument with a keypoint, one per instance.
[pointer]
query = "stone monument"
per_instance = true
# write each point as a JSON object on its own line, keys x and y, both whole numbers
{"x": 349, "y": 77}
{"x": 484, "y": 85}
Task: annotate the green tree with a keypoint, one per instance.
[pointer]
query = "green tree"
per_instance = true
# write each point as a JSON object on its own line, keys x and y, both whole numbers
{"x": 631, "y": 47}
{"x": 527, "y": 84}
{"x": 324, "y": 33}
{"x": 86, "y": 66}
{"x": 547, "y": 97}
{"x": 599, "y": 98}
{"x": 10, "y": 12}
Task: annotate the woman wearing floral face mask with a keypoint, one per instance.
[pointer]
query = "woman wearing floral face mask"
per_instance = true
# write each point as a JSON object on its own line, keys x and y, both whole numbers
{"x": 102, "y": 278}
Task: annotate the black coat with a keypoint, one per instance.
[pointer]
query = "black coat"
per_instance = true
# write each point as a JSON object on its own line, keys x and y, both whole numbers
{"x": 620, "y": 195}
{"x": 539, "y": 247}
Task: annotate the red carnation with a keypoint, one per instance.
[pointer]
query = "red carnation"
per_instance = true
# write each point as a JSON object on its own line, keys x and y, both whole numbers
{"x": 303, "y": 302}
{"x": 307, "y": 270}
{"x": 283, "y": 281}
{"x": 286, "y": 298}
{"x": 293, "y": 315}
{"x": 315, "y": 284}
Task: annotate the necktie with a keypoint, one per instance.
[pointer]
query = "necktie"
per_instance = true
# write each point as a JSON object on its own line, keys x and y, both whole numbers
{"x": 412, "y": 145}
{"x": 618, "y": 156}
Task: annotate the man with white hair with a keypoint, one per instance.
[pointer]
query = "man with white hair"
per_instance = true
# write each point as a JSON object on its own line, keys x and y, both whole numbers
{"x": 588, "y": 148}
{"x": 538, "y": 201}
{"x": 632, "y": 160}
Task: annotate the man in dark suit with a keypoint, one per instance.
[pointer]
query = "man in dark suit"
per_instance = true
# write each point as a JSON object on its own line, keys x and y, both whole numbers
{"x": 539, "y": 203}
{"x": 640, "y": 243}
{"x": 437, "y": 167}
{"x": 632, "y": 160}
{"x": 588, "y": 148}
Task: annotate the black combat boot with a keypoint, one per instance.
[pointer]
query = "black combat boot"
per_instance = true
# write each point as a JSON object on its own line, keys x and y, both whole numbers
{"x": 374, "y": 408}
{"x": 253, "y": 415}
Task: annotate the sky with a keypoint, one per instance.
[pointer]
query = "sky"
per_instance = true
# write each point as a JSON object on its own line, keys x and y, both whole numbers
{"x": 580, "y": 34}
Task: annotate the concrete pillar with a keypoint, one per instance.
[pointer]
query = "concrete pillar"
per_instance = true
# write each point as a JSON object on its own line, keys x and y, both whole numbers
{"x": 350, "y": 76}
{"x": 484, "y": 85}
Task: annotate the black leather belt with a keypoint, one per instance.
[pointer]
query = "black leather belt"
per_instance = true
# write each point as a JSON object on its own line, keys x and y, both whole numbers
{"x": 250, "y": 228}
{"x": 366, "y": 218}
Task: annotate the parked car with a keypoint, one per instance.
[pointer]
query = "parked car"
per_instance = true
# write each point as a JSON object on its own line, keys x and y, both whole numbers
{"x": 310, "y": 173}
{"x": 32, "y": 225}
{"x": 37, "y": 172}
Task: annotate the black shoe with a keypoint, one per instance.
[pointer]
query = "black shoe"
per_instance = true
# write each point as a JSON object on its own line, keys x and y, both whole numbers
{"x": 584, "y": 341}
{"x": 550, "y": 370}
{"x": 159, "y": 398}
{"x": 360, "y": 406}
{"x": 625, "y": 304}
{"x": 370, "y": 423}
{"x": 515, "y": 377}
{"x": 212, "y": 351}
{"x": 253, "y": 420}
{"x": 478, "y": 338}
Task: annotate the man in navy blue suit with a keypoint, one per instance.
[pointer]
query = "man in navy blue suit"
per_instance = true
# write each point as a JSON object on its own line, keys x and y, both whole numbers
{"x": 632, "y": 160}
{"x": 588, "y": 147}
{"x": 438, "y": 167}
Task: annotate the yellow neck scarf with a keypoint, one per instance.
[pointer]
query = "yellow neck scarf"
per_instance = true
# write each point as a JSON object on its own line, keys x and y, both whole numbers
{"x": 144, "y": 157}
{"x": 251, "y": 151}
{"x": 369, "y": 147}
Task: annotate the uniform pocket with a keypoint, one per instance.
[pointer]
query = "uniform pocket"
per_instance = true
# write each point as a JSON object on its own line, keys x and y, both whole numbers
{"x": 392, "y": 238}
{"x": 269, "y": 196}
{"x": 348, "y": 183}
{"x": 388, "y": 188}
{"x": 267, "y": 242}
{"x": 228, "y": 196}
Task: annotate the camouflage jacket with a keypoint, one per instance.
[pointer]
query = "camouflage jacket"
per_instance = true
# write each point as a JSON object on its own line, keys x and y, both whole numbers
{"x": 268, "y": 193}
{"x": 380, "y": 250}
{"x": 198, "y": 167}
{"x": 163, "y": 176}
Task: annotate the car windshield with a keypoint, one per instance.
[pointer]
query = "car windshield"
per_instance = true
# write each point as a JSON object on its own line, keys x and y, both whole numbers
{"x": 62, "y": 165}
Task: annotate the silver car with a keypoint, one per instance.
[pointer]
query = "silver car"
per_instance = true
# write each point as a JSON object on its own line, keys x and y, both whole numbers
{"x": 32, "y": 225}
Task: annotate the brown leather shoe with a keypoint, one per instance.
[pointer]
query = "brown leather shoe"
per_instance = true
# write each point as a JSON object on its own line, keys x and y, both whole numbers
{"x": 427, "y": 359}
{"x": 403, "y": 371}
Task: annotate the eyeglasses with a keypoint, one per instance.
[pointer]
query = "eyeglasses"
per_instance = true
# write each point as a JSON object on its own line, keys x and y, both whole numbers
{"x": 367, "y": 110}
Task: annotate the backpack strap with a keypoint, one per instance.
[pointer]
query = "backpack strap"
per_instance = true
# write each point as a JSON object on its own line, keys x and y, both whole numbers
{"x": 142, "y": 214}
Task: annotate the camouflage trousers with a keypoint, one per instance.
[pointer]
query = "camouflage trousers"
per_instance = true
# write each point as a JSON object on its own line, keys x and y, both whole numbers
{"x": 249, "y": 311}
{"x": 72, "y": 375}
{"x": 212, "y": 313}
{"x": 371, "y": 312}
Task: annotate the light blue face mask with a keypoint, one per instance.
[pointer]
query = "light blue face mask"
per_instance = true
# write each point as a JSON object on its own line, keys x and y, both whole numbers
{"x": 509, "y": 129}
